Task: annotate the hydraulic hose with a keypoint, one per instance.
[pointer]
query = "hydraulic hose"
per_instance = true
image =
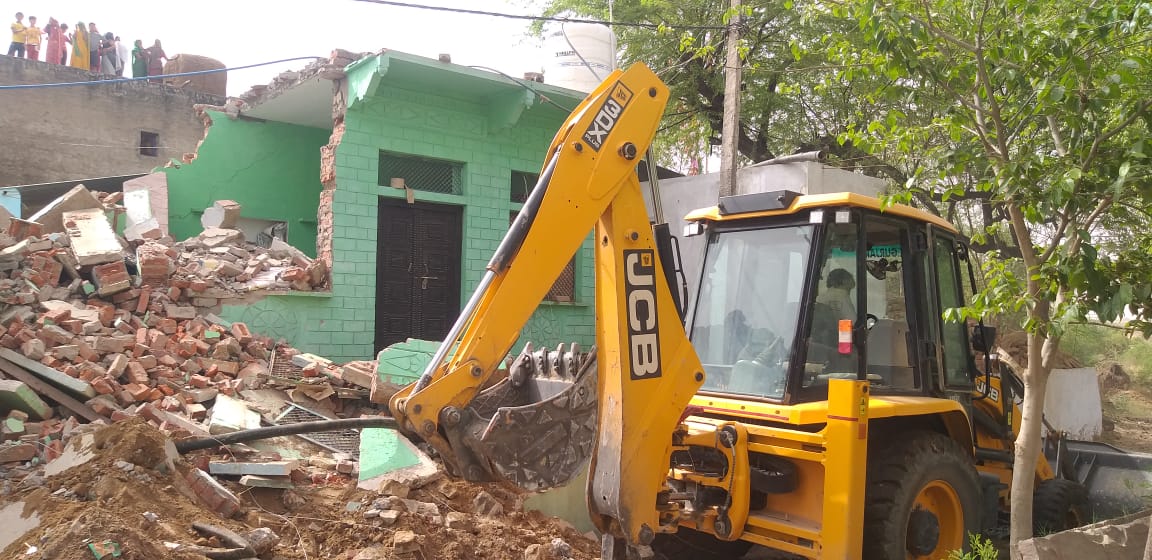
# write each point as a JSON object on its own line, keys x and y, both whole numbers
{"x": 184, "y": 446}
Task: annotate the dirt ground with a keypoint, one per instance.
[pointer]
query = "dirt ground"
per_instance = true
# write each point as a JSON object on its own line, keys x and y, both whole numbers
{"x": 1130, "y": 411}
{"x": 150, "y": 505}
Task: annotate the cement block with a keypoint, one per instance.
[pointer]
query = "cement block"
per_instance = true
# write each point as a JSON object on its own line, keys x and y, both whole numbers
{"x": 92, "y": 239}
{"x": 271, "y": 468}
{"x": 266, "y": 481}
{"x": 15, "y": 395}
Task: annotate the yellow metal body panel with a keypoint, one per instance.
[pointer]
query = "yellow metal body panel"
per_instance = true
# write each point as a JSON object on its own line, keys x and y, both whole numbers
{"x": 642, "y": 399}
{"x": 830, "y": 200}
{"x": 817, "y": 412}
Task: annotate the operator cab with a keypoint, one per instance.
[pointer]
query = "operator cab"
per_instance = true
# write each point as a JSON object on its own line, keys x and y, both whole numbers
{"x": 797, "y": 290}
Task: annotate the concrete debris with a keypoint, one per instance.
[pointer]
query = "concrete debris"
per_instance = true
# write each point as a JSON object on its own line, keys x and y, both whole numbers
{"x": 223, "y": 214}
{"x": 110, "y": 348}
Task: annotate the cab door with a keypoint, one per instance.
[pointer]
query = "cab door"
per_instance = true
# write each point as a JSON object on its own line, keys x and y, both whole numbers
{"x": 955, "y": 370}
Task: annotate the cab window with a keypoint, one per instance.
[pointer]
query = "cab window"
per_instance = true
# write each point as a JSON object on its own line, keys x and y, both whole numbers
{"x": 745, "y": 321}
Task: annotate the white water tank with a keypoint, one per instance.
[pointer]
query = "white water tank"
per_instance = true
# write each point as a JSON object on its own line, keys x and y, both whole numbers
{"x": 564, "y": 46}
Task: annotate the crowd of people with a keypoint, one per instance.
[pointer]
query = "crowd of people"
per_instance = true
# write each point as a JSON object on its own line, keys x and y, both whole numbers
{"x": 84, "y": 48}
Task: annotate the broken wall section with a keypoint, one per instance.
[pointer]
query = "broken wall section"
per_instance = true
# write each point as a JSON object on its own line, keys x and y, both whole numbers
{"x": 271, "y": 169}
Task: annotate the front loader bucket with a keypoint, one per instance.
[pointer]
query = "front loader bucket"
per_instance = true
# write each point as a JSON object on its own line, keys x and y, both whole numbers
{"x": 537, "y": 427}
{"x": 1118, "y": 482}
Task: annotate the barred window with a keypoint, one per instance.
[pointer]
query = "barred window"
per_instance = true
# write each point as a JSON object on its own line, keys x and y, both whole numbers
{"x": 564, "y": 289}
{"x": 522, "y": 184}
{"x": 422, "y": 174}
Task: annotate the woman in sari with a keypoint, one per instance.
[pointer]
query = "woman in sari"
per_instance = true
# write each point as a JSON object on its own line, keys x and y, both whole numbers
{"x": 80, "y": 47}
{"x": 55, "y": 43}
{"x": 155, "y": 67}
{"x": 139, "y": 60}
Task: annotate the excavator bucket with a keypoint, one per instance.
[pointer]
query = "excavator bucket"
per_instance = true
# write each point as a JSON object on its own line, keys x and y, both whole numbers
{"x": 536, "y": 428}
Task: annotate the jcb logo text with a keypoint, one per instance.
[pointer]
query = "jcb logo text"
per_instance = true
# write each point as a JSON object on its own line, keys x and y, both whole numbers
{"x": 640, "y": 292}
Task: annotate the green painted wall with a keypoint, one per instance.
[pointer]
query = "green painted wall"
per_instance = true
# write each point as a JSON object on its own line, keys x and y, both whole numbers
{"x": 272, "y": 169}
{"x": 341, "y": 325}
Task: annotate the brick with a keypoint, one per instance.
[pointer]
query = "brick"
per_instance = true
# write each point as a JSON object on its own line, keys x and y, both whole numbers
{"x": 195, "y": 411}
{"x": 58, "y": 314}
{"x": 136, "y": 373}
{"x": 199, "y": 381}
{"x": 111, "y": 278}
{"x": 103, "y": 405}
{"x": 117, "y": 365}
{"x": 117, "y": 343}
{"x": 140, "y": 393}
{"x": 226, "y": 367}
{"x": 149, "y": 362}
{"x": 17, "y": 453}
{"x": 86, "y": 352}
{"x": 214, "y": 496}
{"x": 104, "y": 386}
{"x": 241, "y": 333}
{"x": 33, "y": 349}
{"x": 68, "y": 352}
{"x": 180, "y": 311}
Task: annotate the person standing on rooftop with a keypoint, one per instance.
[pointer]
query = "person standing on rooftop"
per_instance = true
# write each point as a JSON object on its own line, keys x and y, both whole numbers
{"x": 32, "y": 37}
{"x": 19, "y": 35}
{"x": 94, "y": 40}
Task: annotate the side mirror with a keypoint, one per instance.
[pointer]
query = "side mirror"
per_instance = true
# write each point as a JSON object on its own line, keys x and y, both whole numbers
{"x": 983, "y": 338}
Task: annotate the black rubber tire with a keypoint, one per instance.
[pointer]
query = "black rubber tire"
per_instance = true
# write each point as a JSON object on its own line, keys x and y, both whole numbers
{"x": 687, "y": 544}
{"x": 1058, "y": 505}
{"x": 898, "y": 470}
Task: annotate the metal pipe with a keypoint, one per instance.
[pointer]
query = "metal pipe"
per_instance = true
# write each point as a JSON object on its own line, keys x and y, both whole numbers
{"x": 817, "y": 155}
{"x": 184, "y": 446}
{"x": 654, "y": 184}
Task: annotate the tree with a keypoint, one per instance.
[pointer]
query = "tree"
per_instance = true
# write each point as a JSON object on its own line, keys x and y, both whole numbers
{"x": 1038, "y": 114}
{"x": 789, "y": 104}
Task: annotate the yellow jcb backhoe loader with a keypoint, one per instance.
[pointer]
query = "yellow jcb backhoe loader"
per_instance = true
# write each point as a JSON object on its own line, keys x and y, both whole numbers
{"x": 810, "y": 399}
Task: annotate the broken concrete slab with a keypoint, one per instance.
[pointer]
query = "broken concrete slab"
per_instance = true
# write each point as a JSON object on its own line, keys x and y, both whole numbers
{"x": 1116, "y": 539}
{"x": 92, "y": 239}
{"x": 231, "y": 415}
{"x": 148, "y": 229}
{"x": 78, "y": 313}
{"x": 218, "y": 237}
{"x": 19, "y": 520}
{"x": 385, "y": 455}
{"x": 51, "y": 217}
{"x": 58, "y": 378}
{"x": 270, "y": 468}
{"x": 16, "y": 395}
{"x": 222, "y": 214}
{"x": 78, "y": 452}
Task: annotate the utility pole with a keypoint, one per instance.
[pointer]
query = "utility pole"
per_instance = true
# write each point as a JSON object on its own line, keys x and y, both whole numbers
{"x": 729, "y": 136}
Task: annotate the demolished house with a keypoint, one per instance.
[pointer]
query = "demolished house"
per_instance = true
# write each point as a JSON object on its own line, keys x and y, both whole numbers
{"x": 120, "y": 386}
{"x": 401, "y": 173}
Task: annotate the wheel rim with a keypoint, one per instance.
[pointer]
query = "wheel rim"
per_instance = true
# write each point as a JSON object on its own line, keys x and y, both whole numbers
{"x": 936, "y": 522}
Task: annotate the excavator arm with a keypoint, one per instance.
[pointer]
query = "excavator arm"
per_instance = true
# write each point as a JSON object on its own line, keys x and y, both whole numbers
{"x": 620, "y": 405}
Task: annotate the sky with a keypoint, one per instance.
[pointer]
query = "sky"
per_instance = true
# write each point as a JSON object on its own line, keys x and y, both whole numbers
{"x": 242, "y": 32}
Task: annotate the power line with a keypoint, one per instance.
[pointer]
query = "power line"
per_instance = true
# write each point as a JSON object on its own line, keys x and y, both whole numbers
{"x": 524, "y": 85}
{"x": 126, "y": 80}
{"x": 542, "y": 18}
